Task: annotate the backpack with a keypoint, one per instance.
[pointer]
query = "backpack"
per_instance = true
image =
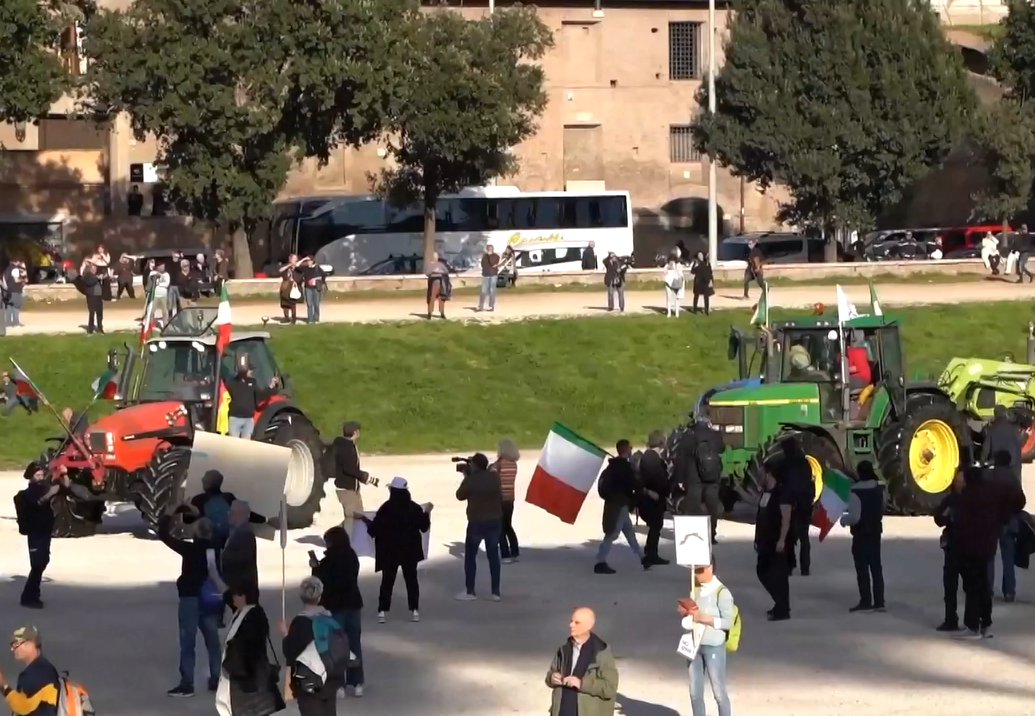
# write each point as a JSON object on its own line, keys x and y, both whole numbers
{"x": 326, "y": 655}
{"x": 217, "y": 510}
{"x": 733, "y": 633}
{"x": 605, "y": 485}
{"x": 73, "y": 698}
{"x": 21, "y": 513}
{"x": 709, "y": 464}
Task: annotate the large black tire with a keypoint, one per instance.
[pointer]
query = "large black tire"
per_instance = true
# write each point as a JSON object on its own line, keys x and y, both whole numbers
{"x": 906, "y": 496}
{"x": 161, "y": 484}
{"x": 821, "y": 451}
{"x": 73, "y": 518}
{"x": 298, "y": 433}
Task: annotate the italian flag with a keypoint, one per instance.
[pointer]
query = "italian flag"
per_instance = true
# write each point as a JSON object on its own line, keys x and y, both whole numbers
{"x": 105, "y": 385}
{"x": 147, "y": 325}
{"x": 761, "y": 315}
{"x": 833, "y": 501}
{"x": 223, "y": 325}
{"x": 565, "y": 474}
{"x": 875, "y": 308}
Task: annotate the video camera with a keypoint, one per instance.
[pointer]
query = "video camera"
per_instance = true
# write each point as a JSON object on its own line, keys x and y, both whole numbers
{"x": 463, "y": 465}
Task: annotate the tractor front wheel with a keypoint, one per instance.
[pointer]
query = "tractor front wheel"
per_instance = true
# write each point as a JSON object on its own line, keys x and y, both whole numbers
{"x": 161, "y": 484}
{"x": 919, "y": 455}
{"x": 305, "y": 482}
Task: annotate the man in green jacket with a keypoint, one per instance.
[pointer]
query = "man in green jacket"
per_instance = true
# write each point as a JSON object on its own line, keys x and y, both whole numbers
{"x": 583, "y": 674}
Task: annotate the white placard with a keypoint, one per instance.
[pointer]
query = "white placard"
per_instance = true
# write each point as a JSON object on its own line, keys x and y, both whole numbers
{"x": 690, "y": 641}
{"x": 253, "y": 471}
{"x": 364, "y": 545}
{"x": 693, "y": 540}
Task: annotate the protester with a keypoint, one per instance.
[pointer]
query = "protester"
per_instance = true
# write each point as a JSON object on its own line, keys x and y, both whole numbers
{"x": 213, "y": 504}
{"x": 614, "y": 280}
{"x": 794, "y": 473}
{"x": 674, "y": 285}
{"x": 314, "y": 280}
{"x": 245, "y": 398}
{"x": 339, "y": 573}
{"x": 1000, "y": 435}
{"x": 1024, "y": 248}
{"x": 197, "y": 565}
{"x": 713, "y": 608}
{"x": 703, "y": 283}
{"x": 440, "y": 287}
{"x": 347, "y": 475}
{"x": 490, "y": 274}
{"x": 124, "y": 277}
{"x": 865, "y": 517}
{"x": 221, "y": 271}
{"x": 239, "y": 559}
{"x": 91, "y": 283}
{"x": 653, "y": 495}
{"x": 248, "y": 682}
{"x": 507, "y": 456}
{"x": 990, "y": 249}
{"x": 164, "y": 303}
{"x": 589, "y": 257}
{"x": 583, "y": 675}
{"x": 12, "y": 398}
{"x": 943, "y": 517}
{"x": 618, "y": 489}
{"x": 986, "y": 504}
{"x": 698, "y": 471}
{"x": 36, "y": 523}
{"x": 290, "y": 293}
{"x": 36, "y": 692}
{"x": 314, "y": 681}
{"x": 755, "y": 269}
{"x": 772, "y": 531}
{"x": 397, "y": 530}
{"x": 14, "y": 280}
{"x": 483, "y": 493}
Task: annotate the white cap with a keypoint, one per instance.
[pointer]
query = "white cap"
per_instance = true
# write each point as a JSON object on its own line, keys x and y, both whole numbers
{"x": 399, "y": 483}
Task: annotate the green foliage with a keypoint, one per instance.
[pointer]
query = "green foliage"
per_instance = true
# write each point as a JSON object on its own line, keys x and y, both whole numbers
{"x": 432, "y": 387}
{"x": 1004, "y": 133}
{"x": 234, "y": 89}
{"x": 1012, "y": 57}
{"x": 31, "y": 74}
{"x": 472, "y": 92}
{"x": 844, "y": 103}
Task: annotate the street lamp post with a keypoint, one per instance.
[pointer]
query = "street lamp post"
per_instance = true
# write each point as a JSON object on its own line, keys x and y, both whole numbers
{"x": 713, "y": 209}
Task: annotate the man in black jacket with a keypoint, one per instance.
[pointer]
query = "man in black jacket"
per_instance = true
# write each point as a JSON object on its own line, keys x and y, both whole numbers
{"x": 943, "y": 517}
{"x": 614, "y": 280}
{"x": 339, "y": 572}
{"x": 655, "y": 488}
{"x": 773, "y": 526}
{"x": 347, "y": 475}
{"x": 865, "y": 518}
{"x": 589, "y": 257}
{"x": 245, "y": 397}
{"x": 1002, "y": 437}
{"x": 1023, "y": 246}
{"x": 92, "y": 287}
{"x": 36, "y": 522}
{"x": 619, "y": 490}
{"x": 698, "y": 470}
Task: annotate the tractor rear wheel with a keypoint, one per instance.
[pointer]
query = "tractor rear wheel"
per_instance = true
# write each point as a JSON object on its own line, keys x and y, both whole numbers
{"x": 73, "y": 518}
{"x": 820, "y": 452}
{"x": 920, "y": 454}
{"x": 305, "y": 483}
{"x": 161, "y": 484}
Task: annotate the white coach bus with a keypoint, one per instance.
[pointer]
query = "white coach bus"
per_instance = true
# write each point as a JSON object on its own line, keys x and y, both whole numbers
{"x": 361, "y": 234}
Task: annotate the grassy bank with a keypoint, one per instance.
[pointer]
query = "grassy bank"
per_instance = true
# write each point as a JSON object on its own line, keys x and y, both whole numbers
{"x": 428, "y": 387}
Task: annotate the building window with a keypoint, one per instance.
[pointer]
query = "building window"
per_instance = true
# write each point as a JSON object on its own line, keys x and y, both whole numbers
{"x": 681, "y": 148}
{"x": 684, "y": 42}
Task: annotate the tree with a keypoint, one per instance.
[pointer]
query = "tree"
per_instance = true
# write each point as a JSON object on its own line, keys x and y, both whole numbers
{"x": 1004, "y": 132}
{"x": 843, "y": 103}
{"x": 473, "y": 92}
{"x": 31, "y": 74}
{"x": 235, "y": 90}
{"x": 1012, "y": 57}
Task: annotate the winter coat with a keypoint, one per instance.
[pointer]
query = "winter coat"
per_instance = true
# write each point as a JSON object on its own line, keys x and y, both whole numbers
{"x": 985, "y": 506}
{"x": 703, "y": 282}
{"x": 596, "y": 694}
{"x": 654, "y": 477}
{"x": 397, "y": 530}
{"x": 619, "y": 489}
{"x": 339, "y": 572}
{"x": 248, "y": 684}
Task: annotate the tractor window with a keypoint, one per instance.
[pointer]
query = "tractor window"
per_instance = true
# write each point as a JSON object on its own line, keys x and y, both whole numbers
{"x": 809, "y": 356}
{"x": 259, "y": 360}
{"x": 180, "y": 370}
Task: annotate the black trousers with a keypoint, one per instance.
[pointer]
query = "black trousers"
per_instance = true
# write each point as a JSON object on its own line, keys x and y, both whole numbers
{"x": 750, "y": 276}
{"x": 126, "y": 288}
{"x": 707, "y": 302}
{"x": 95, "y": 313}
{"x": 977, "y": 609}
{"x": 869, "y": 574}
{"x": 704, "y": 499}
{"x": 39, "y": 558}
{"x": 1022, "y": 266}
{"x": 320, "y": 704}
{"x": 951, "y": 585}
{"x": 799, "y": 541}
{"x": 388, "y": 575}
{"x": 774, "y": 573}
{"x": 508, "y": 540}
{"x": 653, "y": 515}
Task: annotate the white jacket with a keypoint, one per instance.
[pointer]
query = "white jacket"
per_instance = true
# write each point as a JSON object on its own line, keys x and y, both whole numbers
{"x": 674, "y": 277}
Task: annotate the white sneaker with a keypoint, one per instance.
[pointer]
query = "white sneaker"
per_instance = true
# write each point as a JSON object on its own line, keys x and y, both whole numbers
{"x": 509, "y": 560}
{"x": 341, "y": 693}
{"x": 357, "y": 691}
{"x": 415, "y": 617}
{"x": 465, "y": 597}
{"x": 380, "y": 617}
{"x": 496, "y": 597}
{"x": 967, "y": 635}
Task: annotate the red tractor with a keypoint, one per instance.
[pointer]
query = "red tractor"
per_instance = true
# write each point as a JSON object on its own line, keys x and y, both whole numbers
{"x": 140, "y": 453}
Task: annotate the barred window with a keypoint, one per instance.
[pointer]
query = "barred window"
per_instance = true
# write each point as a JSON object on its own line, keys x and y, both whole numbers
{"x": 684, "y": 55}
{"x": 681, "y": 146}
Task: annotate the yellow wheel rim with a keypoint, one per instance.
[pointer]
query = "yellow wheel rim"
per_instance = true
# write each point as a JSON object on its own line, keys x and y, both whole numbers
{"x": 817, "y": 477}
{"x": 934, "y": 456}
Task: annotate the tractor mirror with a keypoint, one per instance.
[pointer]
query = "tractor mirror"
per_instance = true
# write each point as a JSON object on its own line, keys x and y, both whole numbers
{"x": 733, "y": 344}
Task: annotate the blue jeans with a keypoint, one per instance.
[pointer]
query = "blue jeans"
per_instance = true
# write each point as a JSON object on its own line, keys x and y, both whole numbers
{"x": 172, "y": 303}
{"x": 312, "y": 304}
{"x": 241, "y": 427}
{"x": 14, "y": 310}
{"x": 710, "y": 662}
{"x": 351, "y": 622}
{"x": 488, "y": 291}
{"x": 625, "y": 527}
{"x": 616, "y": 292}
{"x": 1007, "y": 547}
{"x": 478, "y": 532}
{"x": 192, "y": 620}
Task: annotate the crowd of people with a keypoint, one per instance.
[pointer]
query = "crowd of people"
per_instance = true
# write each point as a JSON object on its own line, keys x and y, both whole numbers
{"x": 1008, "y": 252}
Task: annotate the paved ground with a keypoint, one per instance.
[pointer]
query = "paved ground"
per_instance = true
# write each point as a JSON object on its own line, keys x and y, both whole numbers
{"x": 526, "y": 305}
{"x": 111, "y": 611}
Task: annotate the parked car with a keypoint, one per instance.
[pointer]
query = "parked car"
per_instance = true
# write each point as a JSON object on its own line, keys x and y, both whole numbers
{"x": 899, "y": 244}
{"x": 777, "y": 247}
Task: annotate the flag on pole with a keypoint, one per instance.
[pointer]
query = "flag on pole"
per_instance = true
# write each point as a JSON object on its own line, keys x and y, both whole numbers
{"x": 565, "y": 473}
{"x": 105, "y": 385}
{"x": 147, "y": 325}
{"x": 25, "y": 385}
{"x": 833, "y": 500}
{"x": 875, "y": 308}
{"x": 846, "y": 310}
{"x": 761, "y": 315}
{"x": 223, "y": 325}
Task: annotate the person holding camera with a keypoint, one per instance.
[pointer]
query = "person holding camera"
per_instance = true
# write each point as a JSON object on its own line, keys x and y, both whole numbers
{"x": 347, "y": 475}
{"x": 614, "y": 279}
{"x": 483, "y": 493}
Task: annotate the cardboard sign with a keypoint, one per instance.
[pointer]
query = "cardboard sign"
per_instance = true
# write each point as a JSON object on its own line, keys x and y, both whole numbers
{"x": 363, "y": 544}
{"x": 693, "y": 540}
{"x": 253, "y": 471}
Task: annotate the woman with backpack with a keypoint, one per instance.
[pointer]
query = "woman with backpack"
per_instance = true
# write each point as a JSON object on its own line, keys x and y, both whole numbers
{"x": 316, "y": 652}
{"x": 715, "y": 622}
{"x": 339, "y": 572}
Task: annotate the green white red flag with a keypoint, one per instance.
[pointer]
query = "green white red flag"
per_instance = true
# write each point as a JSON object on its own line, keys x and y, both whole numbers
{"x": 105, "y": 385}
{"x": 223, "y": 323}
{"x": 147, "y": 325}
{"x": 567, "y": 469}
{"x": 833, "y": 500}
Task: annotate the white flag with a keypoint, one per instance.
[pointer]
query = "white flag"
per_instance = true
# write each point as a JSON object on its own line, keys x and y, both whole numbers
{"x": 845, "y": 310}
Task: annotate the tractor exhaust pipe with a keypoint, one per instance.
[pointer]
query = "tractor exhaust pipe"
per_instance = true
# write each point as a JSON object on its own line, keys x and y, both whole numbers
{"x": 1031, "y": 343}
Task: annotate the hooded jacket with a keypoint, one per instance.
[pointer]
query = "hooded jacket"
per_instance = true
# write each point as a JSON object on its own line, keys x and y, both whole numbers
{"x": 397, "y": 531}
{"x": 598, "y": 674}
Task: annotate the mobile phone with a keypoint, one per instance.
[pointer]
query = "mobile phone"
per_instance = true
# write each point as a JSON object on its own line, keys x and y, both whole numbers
{"x": 312, "y": 556}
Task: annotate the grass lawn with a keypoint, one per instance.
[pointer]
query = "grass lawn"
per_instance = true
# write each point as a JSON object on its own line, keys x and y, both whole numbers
{"x": 431, "y": 387}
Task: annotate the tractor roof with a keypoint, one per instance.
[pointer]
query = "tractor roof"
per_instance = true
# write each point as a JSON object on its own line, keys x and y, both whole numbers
{"x": 210, "y": 340}
{"x": 831, "y": 322}
{"x": 198, "y": 323}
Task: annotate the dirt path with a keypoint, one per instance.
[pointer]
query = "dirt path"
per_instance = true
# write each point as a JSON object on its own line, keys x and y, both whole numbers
{"x": 526, "y": 305}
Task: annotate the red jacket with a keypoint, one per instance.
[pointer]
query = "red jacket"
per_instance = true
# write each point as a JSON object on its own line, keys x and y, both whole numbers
{"x": 859, "y": 363}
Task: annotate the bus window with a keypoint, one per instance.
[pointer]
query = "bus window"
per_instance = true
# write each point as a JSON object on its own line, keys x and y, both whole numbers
{"x": 405, "y": 220}
{"x": 549, "y": 213}
{"x": 593, "y": 212}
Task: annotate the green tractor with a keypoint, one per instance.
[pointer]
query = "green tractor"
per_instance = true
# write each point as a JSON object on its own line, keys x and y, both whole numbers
{"x": 911, "y": 432}
{"x": 978, "y": 385}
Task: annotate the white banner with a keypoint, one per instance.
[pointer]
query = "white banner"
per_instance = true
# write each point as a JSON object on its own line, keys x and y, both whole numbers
{"x": 364, "y": 545}
{"x": 253, "y": 471}
{"x": 693, "y": 540}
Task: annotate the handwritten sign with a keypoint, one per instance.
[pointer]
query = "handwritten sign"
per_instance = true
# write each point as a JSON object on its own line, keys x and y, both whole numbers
{"x": 693, "y": 540}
